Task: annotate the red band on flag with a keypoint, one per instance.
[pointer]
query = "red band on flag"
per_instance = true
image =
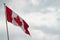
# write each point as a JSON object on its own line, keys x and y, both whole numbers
{"x": 26, "y": 27}
{"x": 9, "y": 14}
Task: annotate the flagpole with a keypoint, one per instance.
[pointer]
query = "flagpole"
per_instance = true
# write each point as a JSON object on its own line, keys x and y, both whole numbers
{"x": 6, "y": 24}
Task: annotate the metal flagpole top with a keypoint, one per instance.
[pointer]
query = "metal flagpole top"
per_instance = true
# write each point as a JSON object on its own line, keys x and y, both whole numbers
{"x": 4, "y": 3}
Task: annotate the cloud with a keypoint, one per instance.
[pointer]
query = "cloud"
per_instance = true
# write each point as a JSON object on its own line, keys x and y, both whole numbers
{"x": 43, "y": 17}
{"x": 35, "y": 2}
{"x": 48, "y": 23}
{"x": 43, "y": 36}
{"x": 52, "y": 30}
{"x": 38, "y": 18}
{"x": 38, "y": 5}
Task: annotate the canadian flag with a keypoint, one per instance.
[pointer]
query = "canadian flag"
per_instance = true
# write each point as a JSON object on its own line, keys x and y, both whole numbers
{"x": 16, "y": 20}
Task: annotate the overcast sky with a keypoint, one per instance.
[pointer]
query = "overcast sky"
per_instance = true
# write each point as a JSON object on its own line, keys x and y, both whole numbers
{"x": 43, "y": 17}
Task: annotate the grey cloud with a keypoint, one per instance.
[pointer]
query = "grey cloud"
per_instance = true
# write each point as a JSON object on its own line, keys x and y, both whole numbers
{"x": 45, "y": 29}
{"x": 16, "y": 36}
{"x": 50, "y": 30}
{"x": 13, "y": 36}
{"x": 58, "y": 17}
{"x": 2, "y": 35}
{"x": 42, "y": 4}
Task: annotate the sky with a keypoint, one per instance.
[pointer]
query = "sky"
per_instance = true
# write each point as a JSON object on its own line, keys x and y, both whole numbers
{"x": 43, "y": 17}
